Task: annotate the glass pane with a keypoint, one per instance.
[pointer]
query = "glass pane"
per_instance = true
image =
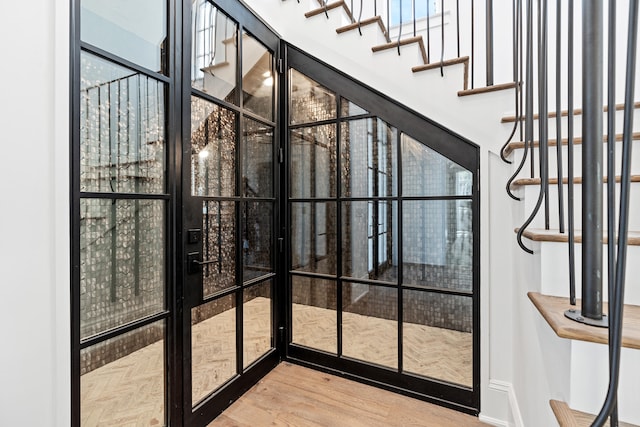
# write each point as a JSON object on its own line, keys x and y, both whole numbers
{"x": 313, "y": 162}
{"x": 122, "y": 379}
{"x": 368, "y": 158}
{"x": 213, "y": 346}
{"x": 257, "y": 329}
{"x": 437, "y": 244}
{"x": 134, "y": 30}
{"x": 436, "y": 325}
{"x": 257, "y": 239}
{"x": 314, "y": 313}
{"x": 122, "y": 133}
{"x": 257, "y": 160}
{"x": 122, "y": 250}
{"x": 213, "y": 149}
{"x": 370, "y": 323}
{"x": 257, "y": 77}
{"x": 214, "y": 52}
{"x": 370, "y": 252}
{"x": 348, "y": 108}
{"x": 313, "y": 237}
{"x": 310, "y": 102}
{"x": 428, "y": 173}
{"x": 219, "y": 246}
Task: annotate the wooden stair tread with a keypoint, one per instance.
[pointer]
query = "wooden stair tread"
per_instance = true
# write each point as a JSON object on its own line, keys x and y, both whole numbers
{"x": 328, "y": 7}
{"x": 565, "y": 113}
{"x": 209, "y": 68}
{"x": 552, "y": 310}
{"x": 553, "y": 235}
{"x": 565, "y": 180}
{"x": 487, "y": 89}
{"x": 404, "y": 42}
{"x": 455, "y": 61}
{"x": 553, "y": 142}
{"x": 365, "y": 22}
{"x": 568, "y": 417}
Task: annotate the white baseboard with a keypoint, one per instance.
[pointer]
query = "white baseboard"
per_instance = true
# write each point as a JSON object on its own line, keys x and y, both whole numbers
{"x": 505, "y": 387}
{"x": 493, "y": 421}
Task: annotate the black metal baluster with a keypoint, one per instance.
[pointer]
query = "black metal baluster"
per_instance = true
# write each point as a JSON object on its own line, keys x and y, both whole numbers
{"x": 413, "y": 15}
{"x": 473, "y": 31}
{"x": 457, "y": 25}
{"x": 560, "y": 173}
{"x": 570, "y": 187}
{"x": 388, "y": 17}
{"x": 543, "y": 107}
{"x": 359, "y": 16}
{"x": 400, "y": 27}
{"x": 428, "y": 31}
{"x": 515, "y": 46}
{"x": 442, "y": 38}
{"x": 489, "y": 42}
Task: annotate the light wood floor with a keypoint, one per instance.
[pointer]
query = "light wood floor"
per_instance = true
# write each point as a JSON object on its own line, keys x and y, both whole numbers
{"x": 293, "y": 396}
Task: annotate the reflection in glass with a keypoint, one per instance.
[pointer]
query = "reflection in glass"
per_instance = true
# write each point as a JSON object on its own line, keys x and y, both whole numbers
{"x": 257, "y": 159}
{"x": 425, "y": 172}
{"x": 436, "y": 325}
{"x": 257, "y": 239}
{"x": 213, "y": 346}
{"x": 313, "y": 162}
{"x": 310, "y": 101}
{"x": 257, "y": 77}
{"x": 122, "y": 146}
{"x": 122, "y": 378}
{"x": 369, "y": 241}
{"x": 213, "y": 149}
{"x": 314, "y": 313}
{"x": 368, "y": 158}
{"x": 256, "y": 318}
{"x": 122, "y": 250}
{"x": 133, "y": 30}
{"x": 214, "y": 51}
{"x": 313, "y": 237}
{"x": 348, "y": 108}
{"x": 370, "y": 323}
{"x": 437, "y": 243}
{"x": 218, "y": 246}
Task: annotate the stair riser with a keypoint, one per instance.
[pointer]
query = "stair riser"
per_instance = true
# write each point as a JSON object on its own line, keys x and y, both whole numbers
{"x": 530, "y": 195}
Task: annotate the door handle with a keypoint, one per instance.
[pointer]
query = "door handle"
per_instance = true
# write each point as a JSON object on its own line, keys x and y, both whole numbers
{"x": 194, "y": 265}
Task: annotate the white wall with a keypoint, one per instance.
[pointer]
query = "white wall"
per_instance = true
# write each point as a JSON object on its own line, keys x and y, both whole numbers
{"x": 34, "y": 249}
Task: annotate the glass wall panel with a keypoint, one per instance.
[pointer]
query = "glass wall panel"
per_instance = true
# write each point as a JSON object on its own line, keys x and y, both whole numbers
{"x": 257, "y": 159}
{"x": 133, "y": 30}
{"x": 309, "y": 101}
{"x": 122, "y": 379}
{"x": 214, "y": 51}
{"x": 370, "y": 323}
{"x": 213, "y": 149}
{"x": 437, "y": 336}
{"x": 257, "y": 239}
{"x": 369, "y": 240}
{"x": 257, "y": 77}
{"x": 122, "y": 259}
{"x": 437, "y": 243}
{"x": 368, "y": 158}
{"x": 219, "y": 246}
{"x": 313, "y": 162}
{"x": 213, "y": 346}
{"x": 122, "y": 132}
{"x": 428, "y": 173}
{"x": 313, "y": 237}
{"x": 257, "y": 328}
{"x": 314, "y": 303}
{"x": 348, "y": 108}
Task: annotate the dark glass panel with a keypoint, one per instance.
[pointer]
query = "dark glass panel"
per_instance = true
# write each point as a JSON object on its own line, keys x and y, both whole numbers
{"x": 257, "y": 239}
{"x": 214, "y": 51}
{"x": 313, "y": 237}
{"x": 133, "y": 30}
{"x": 257, "y": 77}
{"x": 122, "y": 258}
{"x": 437, "y": 244}
{"x": 257, "y": 328}
{"x": 425, "y": 172}
{"x": 257, "y": 160}
{"x": 122, "y": 132}
{"x": 310, "y": 101}
{"x": 218, "y": 246}
{"x": 313, "y": 162}
{"x": 370, "y": 323}
{"x": 437, "y": 325}
{"x": 213, "y": 149}
{"x": 314, "y": 321}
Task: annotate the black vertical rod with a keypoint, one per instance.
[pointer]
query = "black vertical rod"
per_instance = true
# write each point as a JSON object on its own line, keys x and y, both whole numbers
{"x": 529, "y": 79}
{"x": 489, "y": 41}
{"x": 473, "y": 31}
{"x": 428, "y": 32}
{"x": 570, "y": 160}
{"x": 543, "y": 92}
{"x": 616, "y": 305}
{"x": 442, "y": 37}
{"x": 388, "y": 17}
{"x": 592, "y": 152}
{"x": 457, "y": 25}
{"x": 413, "y": 15}
{"x": 560, "y": 173}
{"x": 400, "y": 28}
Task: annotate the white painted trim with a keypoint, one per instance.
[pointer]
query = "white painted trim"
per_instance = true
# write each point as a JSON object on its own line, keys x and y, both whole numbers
{"x": 493, "y": 421}
{"x": 505, "y": 387}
